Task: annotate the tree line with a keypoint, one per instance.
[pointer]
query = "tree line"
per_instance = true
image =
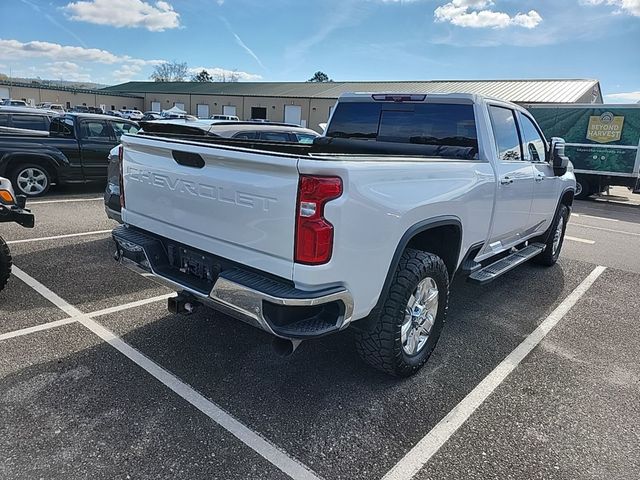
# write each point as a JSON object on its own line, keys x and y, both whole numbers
{"x": 179, "y": 72}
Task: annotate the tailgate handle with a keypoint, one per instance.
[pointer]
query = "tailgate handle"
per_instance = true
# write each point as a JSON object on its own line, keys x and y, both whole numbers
{"x": 188, "y": 159}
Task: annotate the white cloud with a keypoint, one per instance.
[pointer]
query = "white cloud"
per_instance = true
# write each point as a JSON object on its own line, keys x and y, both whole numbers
{"x": 631, "y": 7}
{"x": 127, "y": 73}
{"x": 69, "y": 71}
{"x": 125, "y": 13}
{"x": 222, "y": 73}
{"x": 16, "y": 50}
{"x": 477, "y": 14}
{"x": 623, "y": 97}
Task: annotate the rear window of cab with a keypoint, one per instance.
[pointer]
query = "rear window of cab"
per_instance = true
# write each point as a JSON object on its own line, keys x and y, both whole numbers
{"x": 429, "y": 124}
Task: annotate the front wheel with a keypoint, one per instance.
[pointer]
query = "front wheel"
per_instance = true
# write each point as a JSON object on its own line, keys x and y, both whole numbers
{"x": 555, "y": 238}
{"x": 408, "y": 326}
{"x": 5, "y": 263}
{"x": 31, "y": 180}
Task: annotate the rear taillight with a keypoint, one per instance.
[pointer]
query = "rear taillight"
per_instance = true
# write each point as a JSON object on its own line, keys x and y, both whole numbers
{"x": 314, "y": 234}
{"x": 121, "y": 176}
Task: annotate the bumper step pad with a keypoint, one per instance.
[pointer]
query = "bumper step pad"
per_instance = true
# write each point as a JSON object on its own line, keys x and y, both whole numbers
{"x": 504, "y": 265}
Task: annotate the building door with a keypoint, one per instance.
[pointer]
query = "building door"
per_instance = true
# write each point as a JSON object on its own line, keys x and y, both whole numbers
{"x": 293, "y": 114}
{"x": 155, "y": 107}
{"x": 4, "y": 92}
{"x": 202, "y": 111}
{"x": 229, "y": 110}
{"x": 258, "y": 113}
{"x": 180, "y": 106}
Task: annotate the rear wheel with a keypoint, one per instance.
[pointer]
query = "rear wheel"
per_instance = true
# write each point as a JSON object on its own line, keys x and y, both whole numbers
{"x": 555, "y": 239}
{"x": 31, "y": 180}
{"x": 408, "y": 327}
{"x": 5, "y": 263}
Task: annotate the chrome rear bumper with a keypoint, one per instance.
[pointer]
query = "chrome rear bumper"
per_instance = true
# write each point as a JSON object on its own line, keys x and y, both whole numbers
{"x": 270, "y": 304}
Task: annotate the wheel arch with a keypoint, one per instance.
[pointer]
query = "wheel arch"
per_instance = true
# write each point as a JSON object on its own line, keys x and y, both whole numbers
{"x": 10, "y": 162}
{"x": 422, "y": 236}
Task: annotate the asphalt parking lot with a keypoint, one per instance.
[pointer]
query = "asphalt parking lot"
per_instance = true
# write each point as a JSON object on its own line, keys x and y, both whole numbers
{"x": 535, "y": 376}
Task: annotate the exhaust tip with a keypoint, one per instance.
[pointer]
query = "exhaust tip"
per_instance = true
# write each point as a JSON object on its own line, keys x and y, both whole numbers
{"x": 284, "y": 347}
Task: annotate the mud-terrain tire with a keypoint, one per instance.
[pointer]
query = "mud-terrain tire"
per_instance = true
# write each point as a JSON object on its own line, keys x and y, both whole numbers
{"x": 386, "y": 345}
{"x": 555, "y": 239}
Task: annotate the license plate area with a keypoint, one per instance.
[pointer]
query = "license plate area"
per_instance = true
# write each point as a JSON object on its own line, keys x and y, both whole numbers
{"x": 196, "y": 265}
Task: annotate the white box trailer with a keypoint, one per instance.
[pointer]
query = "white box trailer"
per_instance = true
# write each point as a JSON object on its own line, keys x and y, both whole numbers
{"x": 603, "y": 142}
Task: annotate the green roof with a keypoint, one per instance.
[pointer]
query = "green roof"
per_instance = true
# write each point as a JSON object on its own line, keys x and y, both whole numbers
{"x": 525, "y": 91}
{"x": 46, "y": 86}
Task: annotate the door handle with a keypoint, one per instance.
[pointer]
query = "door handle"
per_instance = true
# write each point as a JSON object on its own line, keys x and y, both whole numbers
{"x": 539, "y": 177}
{"x": 506, "y": 180}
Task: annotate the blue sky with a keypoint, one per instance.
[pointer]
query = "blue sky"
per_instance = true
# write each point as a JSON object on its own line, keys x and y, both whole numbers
{"x": 112, "y": 41}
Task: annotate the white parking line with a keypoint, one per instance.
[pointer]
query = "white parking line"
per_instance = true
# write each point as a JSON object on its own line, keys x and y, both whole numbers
{"x": 605, "y": 229}
{"x": 37, "y": 328}
{"x": 594, "y": 216}
{"x": 426, "y": 448}
{"x": 66, "y": 200}
{"x": 57, "y": 237}
{"x": 580, "y": 240}
{"x": 253, "y": 440}
{"x": 73, "y": 319}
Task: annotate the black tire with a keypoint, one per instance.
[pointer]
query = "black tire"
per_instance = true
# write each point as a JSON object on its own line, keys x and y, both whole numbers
{"x": 584, "y": 189}
{"x": 5, "y": 263}
{"x": 381, "y": 346}
{"x": 39, "y": 188}
{"x": 550, "y": 255}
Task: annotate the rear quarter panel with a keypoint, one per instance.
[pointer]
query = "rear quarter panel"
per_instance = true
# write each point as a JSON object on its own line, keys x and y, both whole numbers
{"x": 383, "y": 199}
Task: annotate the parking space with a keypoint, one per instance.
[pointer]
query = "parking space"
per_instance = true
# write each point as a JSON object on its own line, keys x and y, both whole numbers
{"x": 76, "y": 406}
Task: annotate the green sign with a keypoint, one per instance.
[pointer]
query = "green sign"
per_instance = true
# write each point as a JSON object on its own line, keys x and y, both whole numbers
{"x": 594, "y": 135}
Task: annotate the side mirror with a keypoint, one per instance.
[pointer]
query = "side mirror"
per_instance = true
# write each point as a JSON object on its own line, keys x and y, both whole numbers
{"x": 559, "y": 160}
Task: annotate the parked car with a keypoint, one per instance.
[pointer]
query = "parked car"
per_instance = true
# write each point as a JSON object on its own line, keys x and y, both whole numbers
{"x": 80, "y": 109}
{"x": 225, "y": 118}
{"x": 24, "y": 121}
{"x": 12, "y": 209}
{"x": 75, "y": 151}
{"x": 9, "y": 102}
{"x": 55, "y": 107}
{"x": 114, "y": 113}
{"x": 147, "y": 116}
{"x": 97, "y": 110}
{"x": 366, "y": 227}
{"x": 132, "y": 114}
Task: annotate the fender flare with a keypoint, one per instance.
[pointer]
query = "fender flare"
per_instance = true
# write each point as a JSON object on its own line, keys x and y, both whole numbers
{"x": 50, "y": 160}
{"x": 420, "y": 227}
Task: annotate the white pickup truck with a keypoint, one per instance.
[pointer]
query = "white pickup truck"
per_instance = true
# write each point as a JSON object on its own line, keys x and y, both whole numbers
{"x": 364, "y": 228}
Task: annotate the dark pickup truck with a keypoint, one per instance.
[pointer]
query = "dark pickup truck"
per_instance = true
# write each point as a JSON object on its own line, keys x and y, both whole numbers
{"x": 75, "y": 151}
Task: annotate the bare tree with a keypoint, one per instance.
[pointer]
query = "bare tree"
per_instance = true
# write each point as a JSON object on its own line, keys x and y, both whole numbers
{"x": 170, "y": 72}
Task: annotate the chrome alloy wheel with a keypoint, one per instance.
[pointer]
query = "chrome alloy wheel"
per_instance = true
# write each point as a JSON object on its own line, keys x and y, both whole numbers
{"x": 557, "y": 236}
{"x": 32, "y": 181}
{"x": 420, "y": 315}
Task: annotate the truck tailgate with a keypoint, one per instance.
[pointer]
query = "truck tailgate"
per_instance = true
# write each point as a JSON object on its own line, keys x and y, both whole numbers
{"x": 236, "y": 204}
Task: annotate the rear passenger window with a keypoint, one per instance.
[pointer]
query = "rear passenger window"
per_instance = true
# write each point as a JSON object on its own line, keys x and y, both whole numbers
{"x": 535, "y": 149}
{"x": 61, "y": 127}
{"x": 95, "y": 130}
{"x": 505, "y": 132}
{"x": 31, "y": 122}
